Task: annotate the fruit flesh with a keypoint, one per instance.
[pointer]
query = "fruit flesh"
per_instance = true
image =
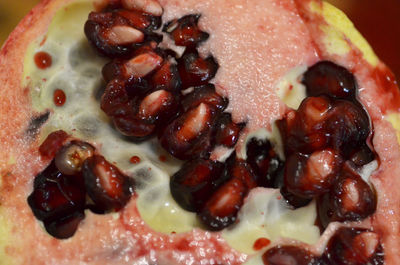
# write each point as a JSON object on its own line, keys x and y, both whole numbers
{"x": 385, "y": 137}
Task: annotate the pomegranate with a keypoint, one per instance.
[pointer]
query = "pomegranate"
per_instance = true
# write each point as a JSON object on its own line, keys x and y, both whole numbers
{"x": 201, "y": 94}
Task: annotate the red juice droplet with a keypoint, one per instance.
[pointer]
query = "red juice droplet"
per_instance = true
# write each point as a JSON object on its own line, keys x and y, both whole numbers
{"x": 134, "y": 160}
{"x": 59, "y": 97}
{"x": 42, "y": 60}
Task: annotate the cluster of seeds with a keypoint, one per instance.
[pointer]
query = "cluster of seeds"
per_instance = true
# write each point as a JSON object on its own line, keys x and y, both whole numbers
{"x": 155, "y": 92}
{"x": 76, "y": 179}
{"x": 348, "y": 246}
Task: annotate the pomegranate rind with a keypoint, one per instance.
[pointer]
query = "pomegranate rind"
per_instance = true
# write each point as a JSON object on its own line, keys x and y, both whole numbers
{"x": 21, "y": 237}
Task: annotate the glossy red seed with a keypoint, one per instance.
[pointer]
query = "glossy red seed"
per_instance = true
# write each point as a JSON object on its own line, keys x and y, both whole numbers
{"x": 204, "y": 94}
{"x": 327, "y": 78}
{"x": 350, "y": 199}
{"x": 53, "y": 143}
{"x": 64, "y": 227}
{"x": 221, "y": 209}
{"x": 185, "y": 31}
{"x": 189, "y": 135}
{"x": 166, "y": 78}
{"x": 227, "y": 132}
{"x": 43, "y": 60}
{"x": 264, "y": 162}
{"x": 288, "y": 255}
{"x": 106, "y": 185}
{"x": 310, "y": 175}
{"x": 69, "y": 158}
{"x": 59, "y": 97}
{"x": 354, "y": 246}
{"x": 195, "y": 182}
{"x": 195, "y": 71}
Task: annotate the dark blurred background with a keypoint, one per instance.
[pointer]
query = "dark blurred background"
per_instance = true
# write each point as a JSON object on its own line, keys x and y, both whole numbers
{"x": 378, "y": 21}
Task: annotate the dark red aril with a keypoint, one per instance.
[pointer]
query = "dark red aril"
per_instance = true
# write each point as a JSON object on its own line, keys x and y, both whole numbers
{"x": 308, "y": 176}
{"x": 304, "y": 130}
{"x": 69, "y": 158}
{"x": 354, "y": 246}
{"x": 227, "y": 132}
{"x": 94, "y": 33}
{"x": 185, "y": 31}
{"x": 53, "y": 143}
{"x": 135, "y": 128}
{"x": 112, "y": 70}
{"x": 55, "y": 197}
{"x": 66, "y": 226}
{"x": 195, "y": 182}
{"x": 196, "y": 71}
{"x": 330, "y": 79}
{"x": 294, "y": 200}
{"x": 106, "y": 185}
{"x": 167, "y": 78}
{"x": 189, "y": 135}
{"x": 221, "y": 209}
{"x": 362, "y": 156}
{"x": 138, "y": 20}
{"x": 350, "y": 199}
{"x": 204, "y": 94}
{"x": 348, "y": 127}
{"x": 288, "y": 255}
{"x": 115, "y": 96}
{"x": 158, "y": 106}
{"x": 264, "y": 161}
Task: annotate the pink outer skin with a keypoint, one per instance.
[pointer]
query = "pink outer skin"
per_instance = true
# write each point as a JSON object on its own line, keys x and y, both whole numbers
{"x": 127, "y": 240}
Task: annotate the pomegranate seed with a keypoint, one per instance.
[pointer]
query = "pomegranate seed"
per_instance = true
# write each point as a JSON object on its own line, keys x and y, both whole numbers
{"x": 293, "y": 200}
{"x": 56, "y": 197}
{"x": 123, "y": 35}
{"x": 350, "y": 199}
{"x": 227, "y": 132}
{"x": 70, "y": 158}
{"x": 105, "y": 184}
{"x": 204, "y": 94}
{"x": 142, "y": 64}
{"x": 185, "y": 31}
{"x": 327, "y": 78}
{"x": 112, "y": 70}
{"x": 42, "y": 60}
{"x": 140, "y": 20}
{"x": 94, "y": 33}
{"x": 64, "y": 227}
{"x": 156, "y": 104}
{"x": 196, "y": 71}
{"x": 311, "y": 175}
{"x": 288, "y": 255}
{"x": 136, "y": 128}
{"x": 167, "y": 78}
{"x": 348, "y": 127}
{"x": 53, "y": 143}
{"x": 363, "y": 156}
{"x": 189, "y": 135}
{"x": 221, "y": 209}
{"x": 148, "y": 6}
{"x": 115, "y": 96}
{"x": 264, "y": 162}
{"x": 59, "y": 97}
{"x": 195, "y": 182}
{"x": 354, "y": 246}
